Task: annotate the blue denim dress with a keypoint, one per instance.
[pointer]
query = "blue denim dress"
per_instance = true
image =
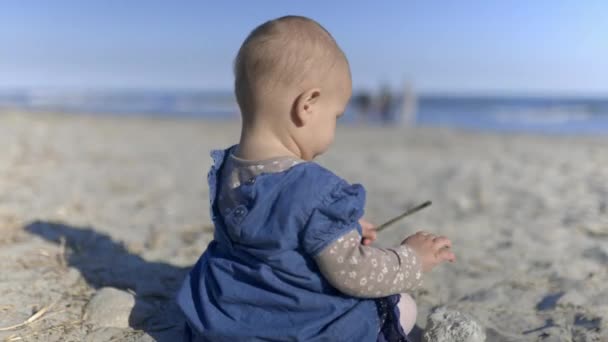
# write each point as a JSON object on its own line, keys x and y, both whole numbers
{"x": 257, "y": 279}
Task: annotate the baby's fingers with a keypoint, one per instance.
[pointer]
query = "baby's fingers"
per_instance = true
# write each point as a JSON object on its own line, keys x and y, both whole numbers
{"x": 368, "y": 241}
{"x": 441, "y": 242}
{"x": 445, "y": 254}
{"x": 365, "y": 225}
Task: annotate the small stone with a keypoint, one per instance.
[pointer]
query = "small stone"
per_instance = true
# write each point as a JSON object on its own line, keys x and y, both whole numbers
{"x": 446, "y": 325}
{"x": 110, "y": 308}
{"x": 572, "y": 297}
{"x": 71, "y": 276}
{"x": 596, "y": 229}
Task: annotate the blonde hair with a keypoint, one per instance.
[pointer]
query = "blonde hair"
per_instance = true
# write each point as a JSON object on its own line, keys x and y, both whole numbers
{"x": 280, "y": 54}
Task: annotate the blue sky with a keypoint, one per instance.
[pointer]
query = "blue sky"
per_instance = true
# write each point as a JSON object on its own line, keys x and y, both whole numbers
{"x": 521, "y": 47}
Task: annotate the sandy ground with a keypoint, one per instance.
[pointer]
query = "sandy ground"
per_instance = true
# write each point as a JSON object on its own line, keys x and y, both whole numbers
{"x": 88, "y": 203}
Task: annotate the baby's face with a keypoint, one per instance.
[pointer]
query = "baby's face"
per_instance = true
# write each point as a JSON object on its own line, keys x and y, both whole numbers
{"x": 332, "y": 104}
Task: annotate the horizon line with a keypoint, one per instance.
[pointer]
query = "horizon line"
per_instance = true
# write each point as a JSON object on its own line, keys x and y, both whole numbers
{"x": 506, "y": 93}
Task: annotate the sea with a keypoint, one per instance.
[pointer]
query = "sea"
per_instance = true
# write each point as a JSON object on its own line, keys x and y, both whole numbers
{"x": 507, "y": 114}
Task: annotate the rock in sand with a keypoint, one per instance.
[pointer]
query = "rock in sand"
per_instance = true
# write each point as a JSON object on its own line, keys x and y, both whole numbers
{"x": 445, "y": 325}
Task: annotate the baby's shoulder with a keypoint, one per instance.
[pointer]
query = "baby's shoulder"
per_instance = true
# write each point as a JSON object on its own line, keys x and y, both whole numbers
{"x": 329, "y": 205}
{"x": 315, "y": 185}
{"x": 313, "y": 172}
{"x": 311, "y": 180}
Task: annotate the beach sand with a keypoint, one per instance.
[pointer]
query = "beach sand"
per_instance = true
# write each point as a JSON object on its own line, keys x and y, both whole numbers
{"x": 91, "y": 202}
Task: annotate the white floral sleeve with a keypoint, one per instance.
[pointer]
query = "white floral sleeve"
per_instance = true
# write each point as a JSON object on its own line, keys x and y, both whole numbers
{"x": 369, "y": 272}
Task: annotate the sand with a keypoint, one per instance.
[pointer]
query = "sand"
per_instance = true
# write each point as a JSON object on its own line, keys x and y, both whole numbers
{"x": 91, "y": 204}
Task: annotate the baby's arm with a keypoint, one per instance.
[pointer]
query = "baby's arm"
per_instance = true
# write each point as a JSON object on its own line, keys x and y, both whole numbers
{"x": 369, "y": 272}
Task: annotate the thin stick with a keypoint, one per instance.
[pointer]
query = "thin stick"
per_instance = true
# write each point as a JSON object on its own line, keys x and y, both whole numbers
{"x": 34, "y": 317}
{"x": 406, "y": 213}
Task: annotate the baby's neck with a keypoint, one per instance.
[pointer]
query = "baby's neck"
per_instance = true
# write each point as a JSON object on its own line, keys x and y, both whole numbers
{"x": 262, "y": 144}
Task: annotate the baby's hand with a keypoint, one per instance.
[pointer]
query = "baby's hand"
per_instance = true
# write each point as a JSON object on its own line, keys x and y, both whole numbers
{"x": 431, "y": 249}
{"x": 369, "y": 232}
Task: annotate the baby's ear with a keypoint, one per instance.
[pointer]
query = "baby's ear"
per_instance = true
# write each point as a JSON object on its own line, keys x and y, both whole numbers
{"x": 305, "y": 106}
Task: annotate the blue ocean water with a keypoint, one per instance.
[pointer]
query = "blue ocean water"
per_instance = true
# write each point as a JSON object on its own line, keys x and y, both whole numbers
{"x": 513, "y": 114}
{"x": 503, "y": 114}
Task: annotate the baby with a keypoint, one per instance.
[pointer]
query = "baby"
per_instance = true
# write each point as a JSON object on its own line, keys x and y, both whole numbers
{"x": 291, "y": 258}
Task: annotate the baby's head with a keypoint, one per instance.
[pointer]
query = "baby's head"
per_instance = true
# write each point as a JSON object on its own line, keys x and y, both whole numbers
{"x": 292, "y": 79}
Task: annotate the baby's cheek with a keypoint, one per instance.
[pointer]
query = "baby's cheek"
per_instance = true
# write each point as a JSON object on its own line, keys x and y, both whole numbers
{"x": 321, "y": 138}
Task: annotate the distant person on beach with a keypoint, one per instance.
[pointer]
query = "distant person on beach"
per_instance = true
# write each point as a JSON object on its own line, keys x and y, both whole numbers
{"x": 291, "y": 258}
{"x": 385, "y": 105}
{"x": 409, "y": 104}
{"x": 362, "y": 103}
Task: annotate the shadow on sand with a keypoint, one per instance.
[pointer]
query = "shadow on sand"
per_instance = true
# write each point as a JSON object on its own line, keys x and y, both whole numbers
{"x": 105, "y": 262}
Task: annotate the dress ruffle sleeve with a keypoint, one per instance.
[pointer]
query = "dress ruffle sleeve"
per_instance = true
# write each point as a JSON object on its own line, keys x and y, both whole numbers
{"x": 338, "y": 213}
